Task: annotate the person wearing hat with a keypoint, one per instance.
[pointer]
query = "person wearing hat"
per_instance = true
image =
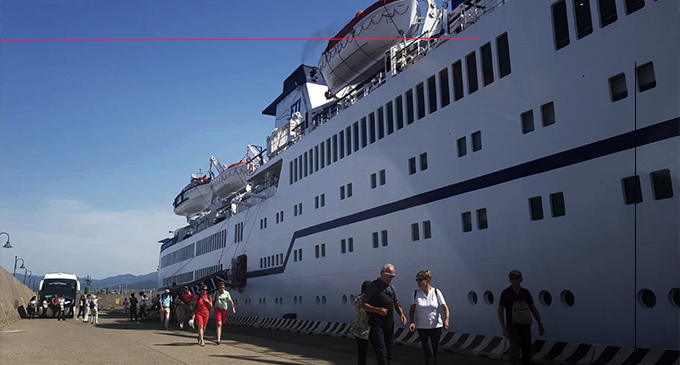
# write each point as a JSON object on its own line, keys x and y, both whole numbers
{"x": 184, "y": 307}
{"x": 166, "y": 300}
{"x": 518, "y": 306}
{"x": 202, "y": 307}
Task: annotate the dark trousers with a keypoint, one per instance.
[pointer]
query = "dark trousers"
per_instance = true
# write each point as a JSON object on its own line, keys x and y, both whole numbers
{"x": 429, "y": 339}
{"x": 382, "y": 340}
{"x": 59, "y": 312}
{"x": 133, "y": 313}
{"x": 362, "y": 347}
{"x": 81, "y": 311}
{"x": 520, "y": 338}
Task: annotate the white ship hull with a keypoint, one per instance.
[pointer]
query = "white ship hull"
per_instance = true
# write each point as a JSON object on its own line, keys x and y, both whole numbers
{"x": 607, "y": 254}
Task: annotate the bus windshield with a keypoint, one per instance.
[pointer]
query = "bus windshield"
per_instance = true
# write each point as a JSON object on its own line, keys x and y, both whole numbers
{"x": 60, "y": 287}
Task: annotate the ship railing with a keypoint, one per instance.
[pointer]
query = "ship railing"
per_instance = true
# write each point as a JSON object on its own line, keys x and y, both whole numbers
{"x": 469, "y": 12}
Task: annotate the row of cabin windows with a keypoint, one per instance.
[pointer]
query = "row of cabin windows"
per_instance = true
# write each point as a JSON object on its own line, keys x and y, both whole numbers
{"x": 662, "y": 187}
{"x": 270, "y": 261}
{"x": 320, "y": 250}
{"x": 392, "y": 116}
{"x": 547, "y": 117}
{"x": 422, "y": 158}
{"x": 279, "y": 217}
{"x": 375, "y": 177}
{"x": 476, "y": 143}
{"x": 263, "y": 223}
{"x": 347, "y": 245}
{"x": 297, "y": 209}
{"x": 645, "y": 81}
{"x": 346, "y": 191}
{"x": 319, "y": 201}
{"x": 582, "y": 15}
{"x": 556, "y": 206}
{"x": 238, "y": 232}
{"x": 297, "y": 255}
{"x": 415, "y": 231}
{"x": 482, "y": 222}
{"x": 211, "y": 243}
{"x": 201, "y": 273}
{"x": 182, "y": 254}
{"x": 186, "y": 277}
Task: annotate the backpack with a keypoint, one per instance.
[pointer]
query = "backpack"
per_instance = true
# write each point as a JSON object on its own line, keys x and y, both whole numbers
{"x": 92, "y": 304}
{"x": 521, "y": 313}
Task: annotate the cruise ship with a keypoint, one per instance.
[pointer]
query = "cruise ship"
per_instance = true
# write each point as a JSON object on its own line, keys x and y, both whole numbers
{"x": 474, "y": 138}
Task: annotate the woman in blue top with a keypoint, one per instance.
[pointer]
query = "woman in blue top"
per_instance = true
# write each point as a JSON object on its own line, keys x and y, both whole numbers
{"x": 165, "y": 302}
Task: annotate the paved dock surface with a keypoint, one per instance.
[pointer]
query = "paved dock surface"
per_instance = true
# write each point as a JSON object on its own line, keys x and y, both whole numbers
{"x": 117, "y": 341}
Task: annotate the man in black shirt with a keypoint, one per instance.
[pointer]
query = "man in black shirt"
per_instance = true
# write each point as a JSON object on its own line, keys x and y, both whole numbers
{"x": 380, "y": 301}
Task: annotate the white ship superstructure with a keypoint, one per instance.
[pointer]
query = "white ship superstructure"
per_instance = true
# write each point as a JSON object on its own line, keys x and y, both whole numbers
{"x": 549, "y": 144}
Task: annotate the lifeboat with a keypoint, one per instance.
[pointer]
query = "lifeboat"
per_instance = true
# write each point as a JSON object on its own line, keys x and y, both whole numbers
{"x": 349, "y": 61}
{"x": 194, "y": 198}
{"x": 232, "y": 179}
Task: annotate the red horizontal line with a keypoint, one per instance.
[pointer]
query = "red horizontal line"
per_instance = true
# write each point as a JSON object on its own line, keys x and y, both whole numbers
{"x": 217, "y": 39}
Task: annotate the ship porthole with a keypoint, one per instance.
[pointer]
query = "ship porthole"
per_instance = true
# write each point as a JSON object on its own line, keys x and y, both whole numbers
{"x": 295, "y": 300}
{"x": 300, "y": 299}
{"x": 647, "y": 298}
{"x": 545, "y": 298}
{"x": 674, "y": 297}
{"x": 472, "y": 298}
{"x": 351, "y": 298}
{"x": 567, "y": 298}
{"x": 281, "y": 301}
{"x": 264, "y": 301}
{"x": 277, "y": 301}
{"x": 318, "y": 299}
{"x": 323, "y": 299}
{"x": 260, "y": 301}
{"x": 488, "y": 297}
{"x": 344, "y": 299}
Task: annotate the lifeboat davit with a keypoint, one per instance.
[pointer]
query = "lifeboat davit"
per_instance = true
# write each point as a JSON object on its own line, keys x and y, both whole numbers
{"x": 232, "y": 179}
{"x": 348, "y": 61}
{"x": 194, "y": 198}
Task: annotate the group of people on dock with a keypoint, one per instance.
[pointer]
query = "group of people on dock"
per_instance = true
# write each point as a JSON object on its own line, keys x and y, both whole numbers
{"x": 429, "y": 315}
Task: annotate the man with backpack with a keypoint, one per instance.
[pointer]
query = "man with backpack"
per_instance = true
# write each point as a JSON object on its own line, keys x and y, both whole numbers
{"x": 518, "y": 306}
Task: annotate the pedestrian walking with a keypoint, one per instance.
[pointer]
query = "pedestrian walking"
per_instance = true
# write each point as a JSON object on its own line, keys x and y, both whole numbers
{"x": 518, "y": 306}
{"x": 184, "y": 307}
{"x": 83, "y": 305}
{"x": 87, "y": 307}
{"x": 202, "y": 306}
{"x": 142, "y": 305}
{"x": 165, "y": 304}
{"x": 55, "y": 306}
{"x": 44, "y": 308}
{"x": 126, "y": 303}
{"x": 221, "y": 300}
{"x": 133, "y": 308}
{"x": 32, "y": 308}
{"x": 94, "y": 309}
{"x": 380, "y": 302}
{"x": 359, "y": 327}
{"x": 425, "y": 315}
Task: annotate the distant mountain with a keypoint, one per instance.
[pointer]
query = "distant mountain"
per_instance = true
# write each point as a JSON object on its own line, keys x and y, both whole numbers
{"x": 147, "y": 281}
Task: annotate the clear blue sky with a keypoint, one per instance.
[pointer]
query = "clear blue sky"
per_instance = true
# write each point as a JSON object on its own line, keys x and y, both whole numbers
{"x": 97, "y": 138}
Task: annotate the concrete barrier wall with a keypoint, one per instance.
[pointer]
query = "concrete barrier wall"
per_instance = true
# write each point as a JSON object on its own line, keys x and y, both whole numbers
{"x": 14, "y": 298}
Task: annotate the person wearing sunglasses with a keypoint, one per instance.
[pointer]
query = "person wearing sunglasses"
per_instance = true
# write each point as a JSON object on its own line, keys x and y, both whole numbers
{"x": 202, "y": 306}
{"x": 380, "y": 302}
{"x": 518, "y": 306}
{"x": 426, "y": 317}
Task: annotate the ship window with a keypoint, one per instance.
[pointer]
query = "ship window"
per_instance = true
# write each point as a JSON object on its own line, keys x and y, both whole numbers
{"x": 316, "y": 251}
{"x": 328, "y": 151}
{"x": 300, "y": 254}
{"x": 476, "y": 141}
{"x": 488, "y": 297}
{"x": 311, "y": 161}
{"x": 645, "y": 77}
{"x": 432, "y": 94}
{"x": 342, "y": 192}
{"x": 634, "y": 5}
{"x": 341, "y": 144}
{"x": 423, "y": 161}
{"x": 295, "y": 169}
{"x": 457, "y": 81}
{"x": 415, "y": 232}
{"x": 471, "y": 66}
{"x": 305, "y": 163}
{"x": 411, "y": 165}
{"x": 472, "y": 298}
{"x": 376, "y": 244}
{"x": 381, "y": 123}
{"x": 674, "y": 297}
{"x": 300, "y": 208}
{"x": 662, "y": 184}
{"x": 462, "y": 147}
{"x": 557, "y": 204}
{"x": 265, "y": 223}
{"x": 300, "y": 163}
{"x": 427, "y": 230}
{"x": 261, "y": 263}
{"x": 316, "y": 157}
{"x": 567, "y": 298}
{"x": 295, "y": 210}
{"x": 343, "y": 246}
{"x": 503, "y": 46}
{"x": 349, "y": 190}
{"x": 560, "y": 24}
{"x": 316, "y": 202}
{"x": 323, "y": 200}
{"x": 335, "y": 148}
{"x": 261, "y": 224}
{"x": 536, "y": 208}
{"x": 617, "y": 86}
{"x": 277, "y": 260}
{"x": 528, "y": 121}
{"x": 444, "y": 87}
{"x": 323, "y": 250}
{"x": 282, "y": 216}
{"x": 290, "y": 174}
{"x": 390, "y": 117}
{"x": 548, "y": 113}
{"x": 487, "y": 63}
{"x": 584, "y": 22}
{"x": 350, "y": 244}
{"x": 364, "y": 137}
{"x": 382, "y": 177}
{"x": 607, "y": 12}
{"x": 482, "y": 222}
{"x": 348, "y": 133}
{"x": 545, "y": 298}
{"x": 295, "y": 256}
{"x": 631, "y": 189}
{"x": 467, "y": 221}
{"x": 400, "y": 112}
{"x": 371, "y": 127}
{"x": 374, "y": 181}
{"x": 647, "y": 298}
{"x": 277, "y": 217}
{"x": 356, "y": 136}
{"x": 295, "y": 107}
{"x": 409, "y": 107}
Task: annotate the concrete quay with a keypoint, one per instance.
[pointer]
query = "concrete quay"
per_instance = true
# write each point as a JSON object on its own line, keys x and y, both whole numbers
{"x": 117, "y": 341}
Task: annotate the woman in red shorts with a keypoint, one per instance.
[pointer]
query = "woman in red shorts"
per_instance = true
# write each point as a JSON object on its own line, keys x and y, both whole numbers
{"x": 221, "y": 300}
{"x": 202, "y": 307}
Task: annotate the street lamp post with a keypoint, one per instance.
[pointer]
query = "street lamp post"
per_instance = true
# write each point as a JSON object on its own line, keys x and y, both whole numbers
{"x": 27, "y": 271}
{"x": 17, "y": 258}
{"x": 6, "y": 245}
